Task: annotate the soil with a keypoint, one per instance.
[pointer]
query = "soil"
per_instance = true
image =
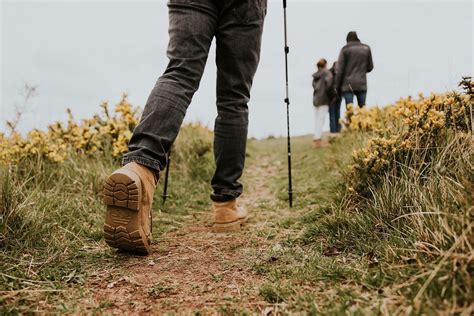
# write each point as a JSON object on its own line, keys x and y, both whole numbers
{"x": 193, "y": 269}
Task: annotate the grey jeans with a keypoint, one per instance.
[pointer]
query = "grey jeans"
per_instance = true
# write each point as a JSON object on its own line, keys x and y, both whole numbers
{"x": 237, "y": 26}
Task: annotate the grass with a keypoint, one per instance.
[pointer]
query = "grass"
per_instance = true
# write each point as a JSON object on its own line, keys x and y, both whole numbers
{"x": 335, "y": 261}
{"x": 405, "y": 247}
{"x": 52, "y": 217}
{"x": 402, "y": 246}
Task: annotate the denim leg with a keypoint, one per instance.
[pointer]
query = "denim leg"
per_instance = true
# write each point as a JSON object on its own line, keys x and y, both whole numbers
{"x": 238, "y": 41}
{"x": 348, "y": 97}
{"x": 334, "y": 116}
{"x": 361, "y": 96}
{"x": 337, "y": 115}
{"x": 191, "y": 30}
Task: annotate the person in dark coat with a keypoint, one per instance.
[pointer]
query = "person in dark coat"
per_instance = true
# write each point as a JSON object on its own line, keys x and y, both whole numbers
{"x": 334, "y": 107}
{"x": 355, "y": 61}
{"x": 322, "y": 85}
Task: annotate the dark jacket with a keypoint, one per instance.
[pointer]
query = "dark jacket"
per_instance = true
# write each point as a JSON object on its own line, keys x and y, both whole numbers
{"x": 355, "y": 61}
{"x": 322, "y": 85}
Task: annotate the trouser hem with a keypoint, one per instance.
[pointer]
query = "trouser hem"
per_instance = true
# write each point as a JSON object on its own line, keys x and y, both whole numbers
{"x": 225, "y": 196}
{"x": 152, "y": 164}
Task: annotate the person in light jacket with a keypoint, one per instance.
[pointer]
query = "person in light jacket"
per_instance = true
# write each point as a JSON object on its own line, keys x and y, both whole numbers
{"x": 353, "y": 64}
{"x": 322, "y": 85}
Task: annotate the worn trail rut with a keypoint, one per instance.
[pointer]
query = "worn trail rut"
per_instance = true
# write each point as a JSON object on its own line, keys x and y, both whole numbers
{"x": 193, "y": 269}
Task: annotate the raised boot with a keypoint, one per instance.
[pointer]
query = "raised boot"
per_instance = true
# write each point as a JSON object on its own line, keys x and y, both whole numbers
{"x": 128, "y": 195}
{"x": 228, "y": 216}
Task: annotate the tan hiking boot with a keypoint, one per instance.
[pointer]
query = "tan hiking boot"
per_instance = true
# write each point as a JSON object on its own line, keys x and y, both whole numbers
{"x": 317, "y": 143}
{"x": 228, "y": 216}
{"x": 128, "y": 194}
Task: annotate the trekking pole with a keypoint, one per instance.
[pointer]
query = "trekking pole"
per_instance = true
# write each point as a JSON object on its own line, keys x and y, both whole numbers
{"x": 287, "y": 101}
{"x": 167, "y": 173}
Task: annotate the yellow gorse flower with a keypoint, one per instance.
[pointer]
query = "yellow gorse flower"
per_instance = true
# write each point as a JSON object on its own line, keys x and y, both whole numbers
{"x": 401, "y": 130}
{"x": 101, "y": 133}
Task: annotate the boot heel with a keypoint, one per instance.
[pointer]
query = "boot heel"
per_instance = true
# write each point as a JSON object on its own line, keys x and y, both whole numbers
{"x": 122, "y": 190}
{"x": 229, "y": 227}
{"x": 226, "y": 228}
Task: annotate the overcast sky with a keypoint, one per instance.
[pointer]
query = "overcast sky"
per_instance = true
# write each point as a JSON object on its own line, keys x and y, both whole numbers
{"x": 80, "y": 53}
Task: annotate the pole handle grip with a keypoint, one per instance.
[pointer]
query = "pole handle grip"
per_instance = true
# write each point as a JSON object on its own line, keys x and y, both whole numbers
{"x": 284, "y": 4}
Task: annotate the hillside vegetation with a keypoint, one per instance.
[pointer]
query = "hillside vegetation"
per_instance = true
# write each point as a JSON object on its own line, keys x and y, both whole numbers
{"x": 401, "y": 213}
{"x": 382, "y": 223}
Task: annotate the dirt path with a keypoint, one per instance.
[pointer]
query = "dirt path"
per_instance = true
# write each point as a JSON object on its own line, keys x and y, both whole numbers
{"x": 192, "y": 269}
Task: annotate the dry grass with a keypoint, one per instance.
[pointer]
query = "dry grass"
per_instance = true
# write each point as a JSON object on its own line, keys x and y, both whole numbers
{"x": 404, "y": 246}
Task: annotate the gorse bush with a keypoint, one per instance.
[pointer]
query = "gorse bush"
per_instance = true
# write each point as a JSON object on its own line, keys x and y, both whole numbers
{"x": 107, "y": 132}
{"x": 51, "y": 214}
{"x": 408, "y": 133}
{"x": 409, "y": 196}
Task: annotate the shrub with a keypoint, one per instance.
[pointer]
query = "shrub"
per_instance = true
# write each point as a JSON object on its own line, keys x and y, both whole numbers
{"x": 410, "y": 189}
{"x": 51, "y": 214}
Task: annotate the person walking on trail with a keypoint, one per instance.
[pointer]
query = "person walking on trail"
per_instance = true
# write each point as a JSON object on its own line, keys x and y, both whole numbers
{"x": 322, "y": 85}
{"x": 128, "y": 192}
{"x": 334, "y": 107}
{"x": 353, "y": 64}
